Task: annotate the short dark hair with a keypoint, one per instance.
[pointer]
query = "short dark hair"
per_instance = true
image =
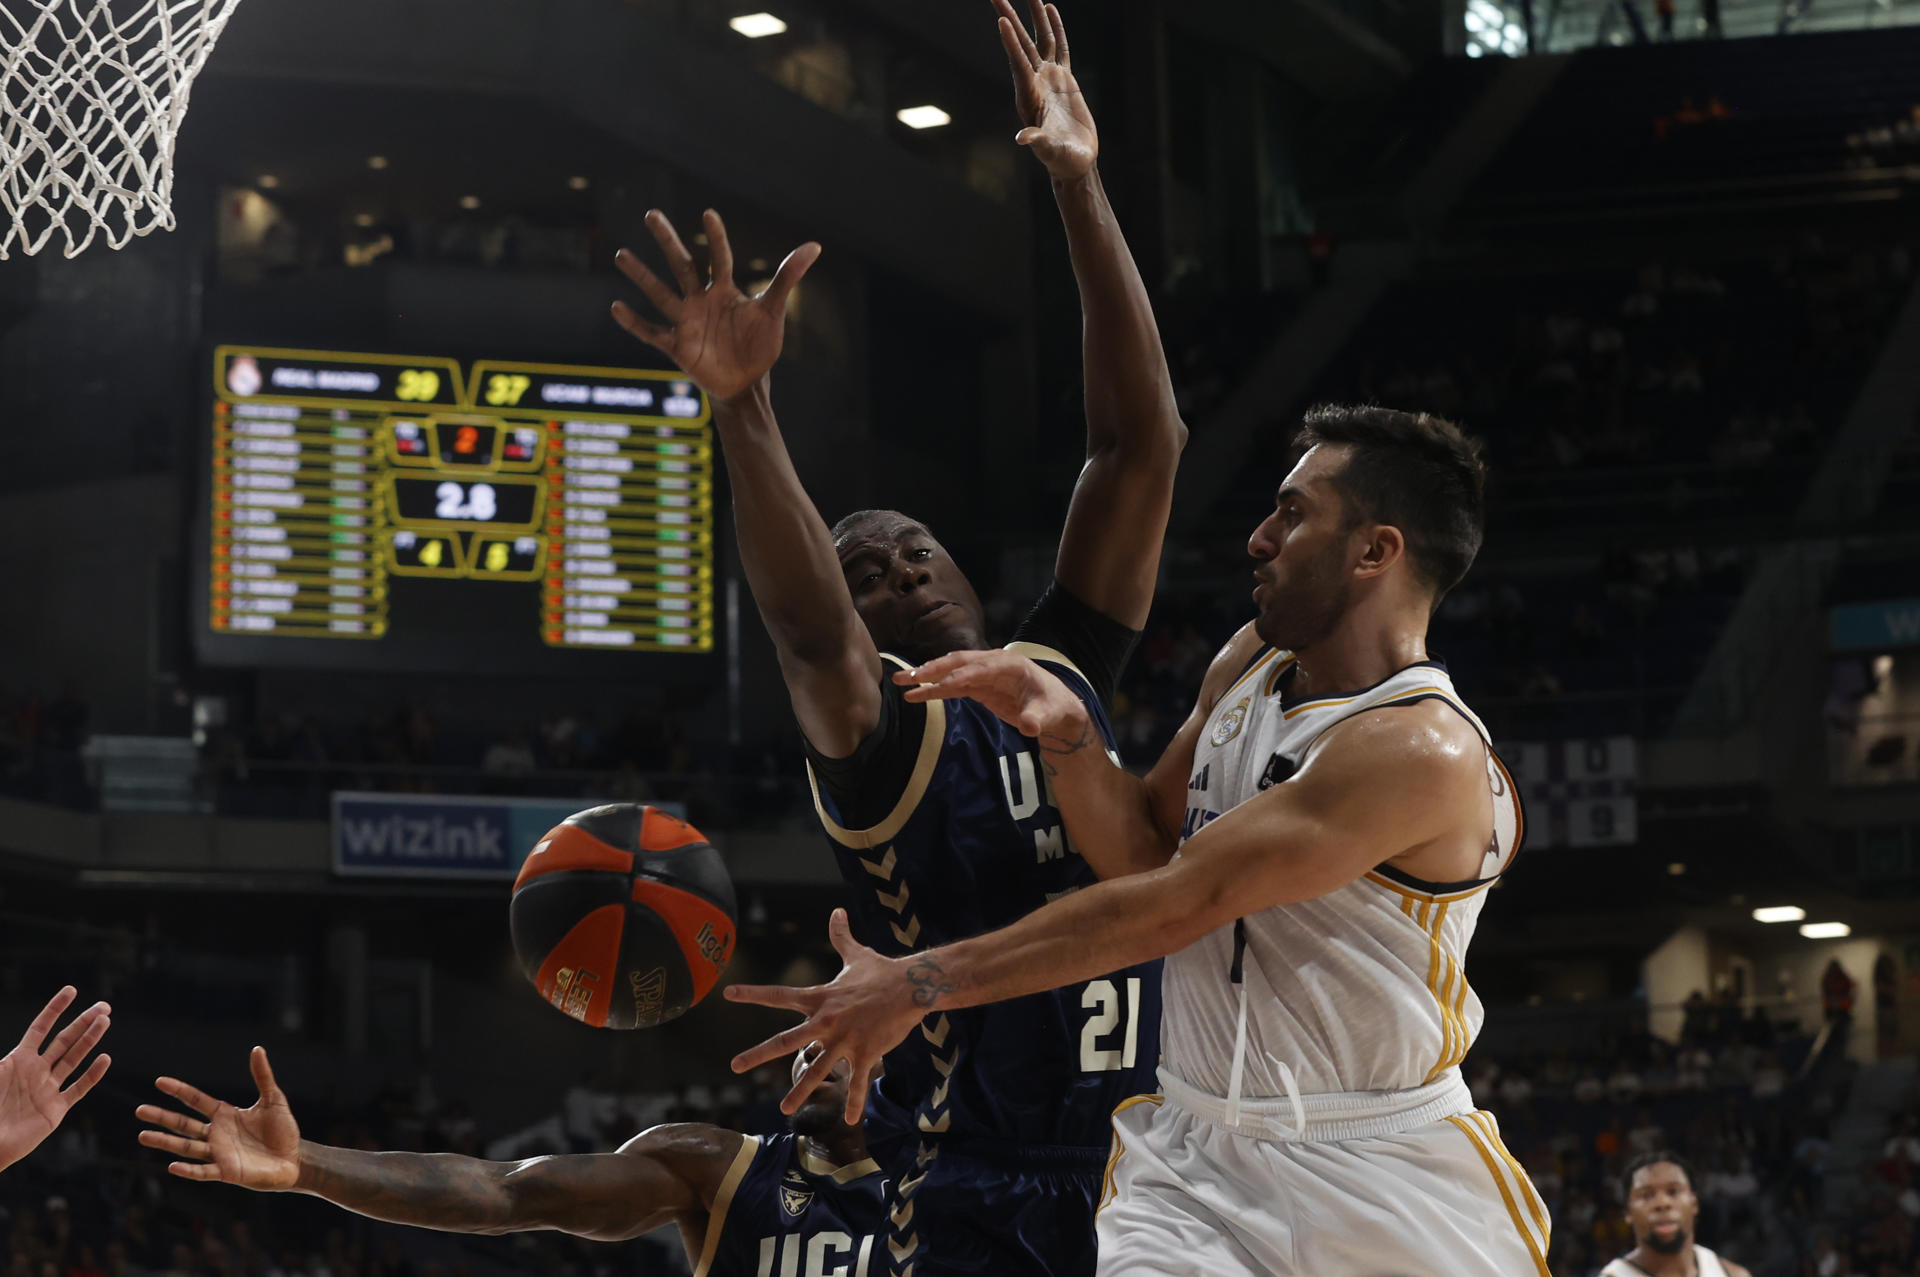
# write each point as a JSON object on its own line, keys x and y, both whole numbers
{"x": 852, "y": 522}
{"x": 1416, "y": 471}
{"x": 1643, "y": 1160}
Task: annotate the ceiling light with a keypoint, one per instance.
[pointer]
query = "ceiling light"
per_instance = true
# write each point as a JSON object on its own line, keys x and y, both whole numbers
{"x": 577, "y": 183}
{"x": 363, "y": 220}
{"x": 1676, "y": 869}
{"x": 1825, "y": 930}
{"x": 1474, "y": 50}
{"x": 1779, "y": 913}
{"x": 268, "y": 181}
{"x": 757, "y": 26}
{"x": 376, "y": 161}
{"x": 469, "y": 202}
{"x": 758, "y": 263}
{"x": 924, "y": 117}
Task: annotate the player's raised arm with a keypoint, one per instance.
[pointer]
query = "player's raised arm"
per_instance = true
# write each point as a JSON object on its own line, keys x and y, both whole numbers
{"x": 34, "y": 1091}
{"x": 1296, "y": 841}
{"x": 1122, "y": 823}
{"x": 728, "y": 342}
{"x": 664, "y": 1176}
{"x": 1110, "y": 549}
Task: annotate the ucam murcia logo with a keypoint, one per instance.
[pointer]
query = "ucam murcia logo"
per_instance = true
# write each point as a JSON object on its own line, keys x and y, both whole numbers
{"x": 1228, "y": 725}
{"x": 795, "y": 1195}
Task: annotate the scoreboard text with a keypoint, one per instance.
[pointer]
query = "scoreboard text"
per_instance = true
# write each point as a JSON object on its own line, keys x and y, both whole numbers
{"x": 334, "y": 475}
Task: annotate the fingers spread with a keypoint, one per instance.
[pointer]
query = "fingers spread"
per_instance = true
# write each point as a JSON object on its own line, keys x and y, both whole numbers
{"x": 779, "y": 1045}
{"x": 77, "y": 1051}
{"x": 194, "y": 1170}
{"x": 788, "y": 277}
{"x": 781, "y": 996}
{"x": 653, "y": 334}
{"x": 178, "y": 1123}
{"x": 79, "y": 1026}
{"x": 49, "y": 1016}
{"x": 816, "y": 1074}
{"x": 840, "y": 933}
{"x": 88, "y": 1080}
{"x": 1022, "y": 42}
{"x": 679, "y": 260}
{"x": 720, "y": 247}
{"x": 649, "y": 283}
{"x": 262, "y": 1073}
{"x": 193, "y": 1097}
{"x": 176, "y": 1145}
{"x": 857, "y": 1095}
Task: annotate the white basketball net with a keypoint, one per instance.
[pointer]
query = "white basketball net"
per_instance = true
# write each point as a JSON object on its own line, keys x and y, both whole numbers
{"x": 90, "y": 105}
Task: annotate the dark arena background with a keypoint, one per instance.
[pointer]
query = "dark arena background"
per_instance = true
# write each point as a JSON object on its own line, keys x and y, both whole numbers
{"x": 1662, "y": 260}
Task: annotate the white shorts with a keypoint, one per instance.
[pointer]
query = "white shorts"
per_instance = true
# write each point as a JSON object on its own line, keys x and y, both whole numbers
{"x": 1186, "y": 1194}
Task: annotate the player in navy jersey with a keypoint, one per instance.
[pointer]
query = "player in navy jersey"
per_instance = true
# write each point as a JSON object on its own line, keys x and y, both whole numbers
{"x": 805, "y": 1204}
{"x": 996, "y": 1123}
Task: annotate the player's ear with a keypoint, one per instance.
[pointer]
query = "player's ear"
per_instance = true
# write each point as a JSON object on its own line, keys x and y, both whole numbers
{"x": 1385, "y": 546}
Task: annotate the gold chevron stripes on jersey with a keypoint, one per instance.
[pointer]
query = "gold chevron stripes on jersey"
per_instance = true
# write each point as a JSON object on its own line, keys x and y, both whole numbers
{"x": 1119, "y": 1146}
{"x": 1536, "y": 1248}
{"x": 931, "y": 739}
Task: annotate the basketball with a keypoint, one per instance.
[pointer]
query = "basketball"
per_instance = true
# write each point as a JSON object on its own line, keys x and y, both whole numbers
{"x": 623, "y": 916}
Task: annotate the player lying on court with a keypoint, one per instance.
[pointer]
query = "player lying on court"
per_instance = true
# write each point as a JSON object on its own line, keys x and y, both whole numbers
{"x": 743, "y": 1205}
{"x": 994, "y": 1122}
{"x": 33, "y": 1102}
{"x": 1661, "y": 1210}
{"x": 1313, "y": 851}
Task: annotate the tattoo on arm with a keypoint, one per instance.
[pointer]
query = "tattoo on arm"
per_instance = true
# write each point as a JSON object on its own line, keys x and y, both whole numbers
{"x": 928, "y": 980}
{"x": 1051, "y": 744}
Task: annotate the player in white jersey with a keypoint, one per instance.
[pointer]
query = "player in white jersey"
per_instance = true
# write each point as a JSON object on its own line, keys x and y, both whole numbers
{"x": 1313, "y": 851}
{"x": 1661, "y": 1209}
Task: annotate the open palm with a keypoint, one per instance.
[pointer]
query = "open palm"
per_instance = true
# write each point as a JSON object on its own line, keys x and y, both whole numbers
{"x": 723, "y": 338}
{"x": 257, "y": 1147}
{"x": 1060, "y": 128}
{"x": 32, "y": 1101}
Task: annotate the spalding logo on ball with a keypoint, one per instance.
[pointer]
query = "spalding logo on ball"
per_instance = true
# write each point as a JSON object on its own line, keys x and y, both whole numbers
{"x": 623, "y": 916}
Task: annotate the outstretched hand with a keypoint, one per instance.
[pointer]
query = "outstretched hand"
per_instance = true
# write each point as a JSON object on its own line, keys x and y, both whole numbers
{"x": 256, "y": 1147}
{"x": 32, "y": 1103}
{"x": 868, "y": 1009}
{"x": 1011, "y": 687}
{"x": 1059, "y": 127}
{"x": 720, "y": 336}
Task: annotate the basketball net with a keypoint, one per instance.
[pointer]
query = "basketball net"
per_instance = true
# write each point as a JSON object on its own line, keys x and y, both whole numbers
{"x": 90, "y": 104}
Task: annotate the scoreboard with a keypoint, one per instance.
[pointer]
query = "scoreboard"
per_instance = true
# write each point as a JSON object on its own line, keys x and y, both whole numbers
{"x": 409, "y": 503}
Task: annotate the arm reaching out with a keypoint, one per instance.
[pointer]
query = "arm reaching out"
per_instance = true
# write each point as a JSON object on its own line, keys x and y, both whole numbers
{"x": 1110, "y": 549}
{"x": 1296, "y": 841}
{"x": 1121, "y": 823}
{"x": 728, "y": 342}
{"x": 32, "y": 1103}
{"x": 661, "y": 1177}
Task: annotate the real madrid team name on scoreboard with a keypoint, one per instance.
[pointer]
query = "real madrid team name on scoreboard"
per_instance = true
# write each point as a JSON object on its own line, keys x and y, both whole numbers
{"x": 334, "y": 473}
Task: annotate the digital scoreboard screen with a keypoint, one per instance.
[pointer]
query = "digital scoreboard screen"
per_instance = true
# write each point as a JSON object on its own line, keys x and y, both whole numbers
{"x": 415, "y": 507}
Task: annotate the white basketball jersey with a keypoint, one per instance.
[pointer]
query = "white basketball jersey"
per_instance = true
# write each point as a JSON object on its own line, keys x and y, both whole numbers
{"x": 1362, "y": 989}
{"x": 1705, "y": 1262}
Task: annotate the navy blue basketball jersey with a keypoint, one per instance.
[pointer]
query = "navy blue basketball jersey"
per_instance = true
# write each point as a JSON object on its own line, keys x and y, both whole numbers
{"x": 973, "y": 844}
{"x": 784, "y": 1212}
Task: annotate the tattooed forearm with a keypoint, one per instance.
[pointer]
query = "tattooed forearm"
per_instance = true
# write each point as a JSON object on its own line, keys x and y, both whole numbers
{"x": 1052, "y": 743}
{"x": 453, "y": 1194}
{"x": 929, "y": 982}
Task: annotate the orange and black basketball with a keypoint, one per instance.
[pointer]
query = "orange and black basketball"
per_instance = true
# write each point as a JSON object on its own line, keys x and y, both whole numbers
{"x": 623, "y": 916}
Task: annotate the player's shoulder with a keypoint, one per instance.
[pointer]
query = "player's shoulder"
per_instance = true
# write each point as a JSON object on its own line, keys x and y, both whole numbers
{"x": 692, "y": 1148}
{"x": 1237, "y": 658}
{"x": 1419, "y": 739}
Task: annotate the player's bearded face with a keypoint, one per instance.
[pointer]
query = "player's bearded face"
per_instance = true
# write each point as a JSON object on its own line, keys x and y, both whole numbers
{"x": 1661, "y": 1209}
{"x": 1308, "y": 588}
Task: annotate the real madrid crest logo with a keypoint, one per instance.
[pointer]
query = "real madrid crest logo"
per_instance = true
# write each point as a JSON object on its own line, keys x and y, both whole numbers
{"x": 795, "y": 1195}
{"x": 1230, "y": 723}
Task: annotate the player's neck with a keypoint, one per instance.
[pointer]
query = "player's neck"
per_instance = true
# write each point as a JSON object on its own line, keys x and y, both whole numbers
{"x": 1656, "y": 1264}
{"x": 1359, "y": 653}
{"x": 841, "y": 1148}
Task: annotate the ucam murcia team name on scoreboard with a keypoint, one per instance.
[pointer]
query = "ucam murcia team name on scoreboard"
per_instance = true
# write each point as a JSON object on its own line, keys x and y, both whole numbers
{"x": 335, "y": 473}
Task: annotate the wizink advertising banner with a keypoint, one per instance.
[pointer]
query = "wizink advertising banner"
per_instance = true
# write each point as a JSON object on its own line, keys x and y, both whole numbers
{"x": 403, "y": 835}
